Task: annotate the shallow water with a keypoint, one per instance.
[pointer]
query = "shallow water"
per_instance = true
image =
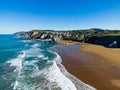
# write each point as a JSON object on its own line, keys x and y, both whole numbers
{"x": 30, "y": 65}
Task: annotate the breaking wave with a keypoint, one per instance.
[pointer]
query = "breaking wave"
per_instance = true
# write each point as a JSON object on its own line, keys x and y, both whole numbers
{"x": 36, "y": 69}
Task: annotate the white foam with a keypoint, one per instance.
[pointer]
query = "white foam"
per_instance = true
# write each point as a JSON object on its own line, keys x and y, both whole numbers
{"x": 40, "y": 56}
{"x": 15, "y": 85}
{"x": 36, "y": 72}
{"x": 58, "y": 59}
{"x": 45, "y": 58}
{"x": 51, "y": 73}
{"x": 32, "y": 62}
{"x": 17, "y": 62}
{"x": 35, "y": 46}
{"x": 26, "y": 45}
{"x": 26, "y": 41}
{"x": 54, "y": 75}
{"x": 33, "y": 52}
{"x": 79, "y": 84}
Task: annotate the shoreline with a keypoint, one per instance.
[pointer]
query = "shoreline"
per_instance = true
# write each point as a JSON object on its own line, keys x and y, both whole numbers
{"x": 77, "y": 82}
{"x": 80, "y": 85}
{"x": 98, "y": 67}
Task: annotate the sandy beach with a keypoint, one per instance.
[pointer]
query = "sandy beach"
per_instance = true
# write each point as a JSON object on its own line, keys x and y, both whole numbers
{"x": 95, "y": 65}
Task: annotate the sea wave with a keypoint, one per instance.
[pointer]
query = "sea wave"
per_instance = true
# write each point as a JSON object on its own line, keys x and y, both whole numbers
{"x": 17, "y": 62}
{"x": 54, "y": 77}
{"x": 37, "y": 70}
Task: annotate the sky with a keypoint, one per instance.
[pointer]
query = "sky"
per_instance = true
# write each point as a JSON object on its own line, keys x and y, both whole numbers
{"x": 26, "y": 15}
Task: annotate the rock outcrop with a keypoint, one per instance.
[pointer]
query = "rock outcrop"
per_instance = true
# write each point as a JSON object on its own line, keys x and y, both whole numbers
{"x": 32, "y": 35}
{"x": 107, "y": 41}
{"x": 107, "y": 38}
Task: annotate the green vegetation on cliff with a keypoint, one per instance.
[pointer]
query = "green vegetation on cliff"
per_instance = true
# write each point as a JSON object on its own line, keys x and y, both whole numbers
{"x": 107, "y": 38}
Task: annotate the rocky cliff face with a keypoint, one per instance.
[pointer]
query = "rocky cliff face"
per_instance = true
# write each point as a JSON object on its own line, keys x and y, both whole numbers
{"x": 110, "y": 39}
{"x": 46, "y": 36}
{"x": 22, "y": 35}
{"x": 107, "y": 41}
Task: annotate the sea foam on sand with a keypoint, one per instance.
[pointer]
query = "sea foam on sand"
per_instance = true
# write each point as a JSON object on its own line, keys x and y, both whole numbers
{"x": 79, "y": 85}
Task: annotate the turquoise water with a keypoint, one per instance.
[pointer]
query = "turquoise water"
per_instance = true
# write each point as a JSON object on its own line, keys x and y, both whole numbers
{"x": 30, "y": 65}
{"x": 9, "y": 47}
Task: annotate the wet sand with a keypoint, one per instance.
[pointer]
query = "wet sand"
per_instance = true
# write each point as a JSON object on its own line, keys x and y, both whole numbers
{"x": 89, "y": 67}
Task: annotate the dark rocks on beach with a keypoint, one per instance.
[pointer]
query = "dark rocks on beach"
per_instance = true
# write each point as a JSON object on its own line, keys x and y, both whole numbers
{"x": 107, "y": 41}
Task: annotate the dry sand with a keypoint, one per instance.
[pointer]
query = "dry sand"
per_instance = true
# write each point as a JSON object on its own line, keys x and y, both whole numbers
{"x": 111, "y": 55}
{"x": 95, "y": 65}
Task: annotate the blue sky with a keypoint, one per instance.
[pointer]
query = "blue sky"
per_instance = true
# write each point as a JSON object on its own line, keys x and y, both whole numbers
{"x": 25, "y": 15}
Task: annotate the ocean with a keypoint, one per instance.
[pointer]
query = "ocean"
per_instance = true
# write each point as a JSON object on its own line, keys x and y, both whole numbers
{"x": 30, "y": 65}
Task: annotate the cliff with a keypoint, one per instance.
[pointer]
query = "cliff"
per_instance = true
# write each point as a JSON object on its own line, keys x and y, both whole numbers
{"x": 107, "y": 41}
{"x": 42, "y": 35}
{"x": 107, "y": 38}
